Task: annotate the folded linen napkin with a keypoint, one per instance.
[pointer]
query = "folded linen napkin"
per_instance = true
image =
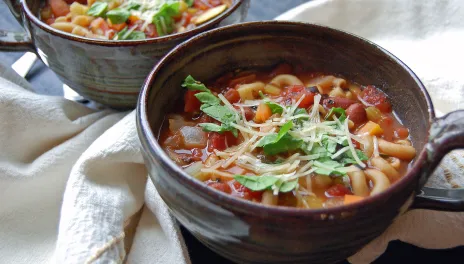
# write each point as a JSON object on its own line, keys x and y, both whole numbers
{"x": 428, "y": 36}
{"x": 58, "y": 155}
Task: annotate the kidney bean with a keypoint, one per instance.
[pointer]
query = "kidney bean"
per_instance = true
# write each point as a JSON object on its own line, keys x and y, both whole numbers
{"x": 356, "y": 113}
{"x": 337, "y": 102}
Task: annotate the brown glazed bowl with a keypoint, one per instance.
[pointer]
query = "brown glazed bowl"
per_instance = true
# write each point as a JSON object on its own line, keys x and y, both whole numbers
{"x": 247, "y": 232}
{"x": 106, "y": 71}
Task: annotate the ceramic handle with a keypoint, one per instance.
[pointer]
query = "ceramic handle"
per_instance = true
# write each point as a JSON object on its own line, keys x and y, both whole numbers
{"x": 15, "y": 41}
{"x": 446, "y": 134}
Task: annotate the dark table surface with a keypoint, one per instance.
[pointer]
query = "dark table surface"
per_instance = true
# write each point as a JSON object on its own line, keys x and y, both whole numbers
{"x": 45, "y": 82}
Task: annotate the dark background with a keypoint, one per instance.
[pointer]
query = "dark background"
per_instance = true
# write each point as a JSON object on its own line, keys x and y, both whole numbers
{"x": 45, "y": 82}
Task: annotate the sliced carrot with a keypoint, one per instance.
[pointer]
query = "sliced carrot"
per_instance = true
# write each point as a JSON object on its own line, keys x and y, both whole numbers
{"x": 263, "y": 113}
{"x": 349, "y": 199}
{"x": 117, "y": 27}
{"x": 372, "y": 128}
{"x": 133, "y": 19}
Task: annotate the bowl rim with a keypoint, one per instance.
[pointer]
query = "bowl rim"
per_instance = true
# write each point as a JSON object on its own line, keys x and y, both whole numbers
{"x": 153, "y": 149}
{"x": 171, "y": 37}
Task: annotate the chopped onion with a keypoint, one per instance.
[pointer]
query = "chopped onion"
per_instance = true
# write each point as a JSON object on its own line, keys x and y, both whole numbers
{"x": 194, "y": 137}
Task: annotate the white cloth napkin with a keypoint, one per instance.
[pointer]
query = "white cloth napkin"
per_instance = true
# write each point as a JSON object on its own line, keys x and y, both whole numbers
{"x": 57, "y": 154}
{"x": 59, "y": 158}
{"x": 429, "y": 37}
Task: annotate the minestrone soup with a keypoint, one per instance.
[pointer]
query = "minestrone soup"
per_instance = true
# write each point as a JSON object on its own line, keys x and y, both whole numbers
{"x": 304, "y": 140}
{"x": 129, "y": 19}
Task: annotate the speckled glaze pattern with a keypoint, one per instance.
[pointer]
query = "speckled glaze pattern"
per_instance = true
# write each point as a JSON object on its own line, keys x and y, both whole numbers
{"x": 247, "y": 232}
{"x": 108, "y": 72}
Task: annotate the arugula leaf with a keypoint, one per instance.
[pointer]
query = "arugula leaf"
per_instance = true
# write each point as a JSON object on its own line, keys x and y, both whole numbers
{"x": 118, "y": 15}
{"x": 125, "y": 35}
{"x": 301, "y": 111}
{"x": 288, "y": 186}
{"x": 189, "y": 2}
{"x": 336, "y": 110}
{"x": 273, "y": 138}
{"x": 328, "y": 162}
{"x": 256, "y": 183}
{"x": 219, "y": 112}
{"x": 284, "y": 144}
{"x": 347, "y": 157}
{"x": 275, "y": 107}
{"x": 133, "y": 6}
{"x": 208, "y": 98}
{"x": 210, "y": 127}
{"x": 329, "y": 145}
{"x": 98, "y": 9}
{"x": 163, "y": 18}
{"x": 194, "y": 85}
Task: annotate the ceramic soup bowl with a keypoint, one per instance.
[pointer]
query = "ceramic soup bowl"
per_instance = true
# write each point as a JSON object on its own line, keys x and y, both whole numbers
{"x": 106, "y": 71}
{"x": 248, "y": 232}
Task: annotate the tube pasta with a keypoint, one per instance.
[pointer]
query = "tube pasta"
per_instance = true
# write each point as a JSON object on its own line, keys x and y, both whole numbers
{"x": 337, "y": 92}
{"x": 379, "y": 179}
{"x": 359, "y": 183}
{"x": 269, "y": 198}
{"x": 403, "y": 152}
{"x": 403, "y": 142}
{"x": 394, "y": 162}
{"x": 64, "y": 26}
{"x": 386, "y": 168}
{"x": 339, "y": 82}
{"x": 283, "y": 80}
{"x": 368, "y": 146}
{"x": 83, "y": 21}
{"x": 250, "y": 90}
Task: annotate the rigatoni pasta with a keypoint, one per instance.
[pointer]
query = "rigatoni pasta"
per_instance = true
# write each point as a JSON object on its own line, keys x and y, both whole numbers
{"x": 267, "y": 138}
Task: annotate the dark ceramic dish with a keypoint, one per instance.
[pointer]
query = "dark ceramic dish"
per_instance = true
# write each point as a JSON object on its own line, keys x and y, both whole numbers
{"x": 106, "y": 71}
{"x": 248, "y": 232}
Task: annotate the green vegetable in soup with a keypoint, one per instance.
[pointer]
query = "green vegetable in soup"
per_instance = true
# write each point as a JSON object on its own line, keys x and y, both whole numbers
{"x": 98, "y": 9}
{"x": 163, "y": 19}
{"x": 337, "y": 111}
{"x": 256, "y": 183}
{"x": 118, "y": 15}
{"x": 194, "y": 85}
{"x": 125, "y": 34}
{"x": 189, "y": 2}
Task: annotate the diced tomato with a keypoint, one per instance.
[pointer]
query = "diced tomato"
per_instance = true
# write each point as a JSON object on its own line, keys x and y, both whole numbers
{"x": 247, "y": 193}
{"x": 201, "y": 4}
{"x": 205, "y": 119}
{"x": 59, "y": 7}
{"x": 337, "y": 102}
{"x": 192, "y": 104}
{"x": 187, "y": 19}
{"x": 221, "y": 186}
{"x": 337, "y": 190}
{"x": 377, "y": 98}
{"x": 232, "y": 96}
{"x": 401, "y": 132}
{"x": 295, "y": 92}
{"x": 216, "y": 141}
{"x": 150, "y": 31}
{"x": 133, "y": 18}
{"x": 283, "y": 68}
{"x": 215, "y": 2}
{"x": 356, "y": 144}
{"x": 101, "y": 24}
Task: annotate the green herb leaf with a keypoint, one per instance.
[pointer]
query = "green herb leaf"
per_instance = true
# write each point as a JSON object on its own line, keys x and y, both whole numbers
{"x": 275, "y": 107}
{"x": 220, "y": 113}
{"x": 189, "y": 2}
{"x": 273, "y": 138}
{"x": 98, "y": 9}
{"x": 133, "y": 6}
{"x": 338, "y": 111}
{"x": 301, "y": 111}
{"x": 210, "y": 127}
{"x": 256, "y": 183}
{"x": 286, "y": 143}
{"x": 163, "y": 18}
{"x": 194, "y": 85}
{"x": 125, "y": 35}
{"x": 329, "y": 145}
{"x": 118, "y": 15}
{"x": 208, "y": 98}
{"x": 327, "y": 162}
{"x": 347, "y": 157}
{"x": 288, "y": 186}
